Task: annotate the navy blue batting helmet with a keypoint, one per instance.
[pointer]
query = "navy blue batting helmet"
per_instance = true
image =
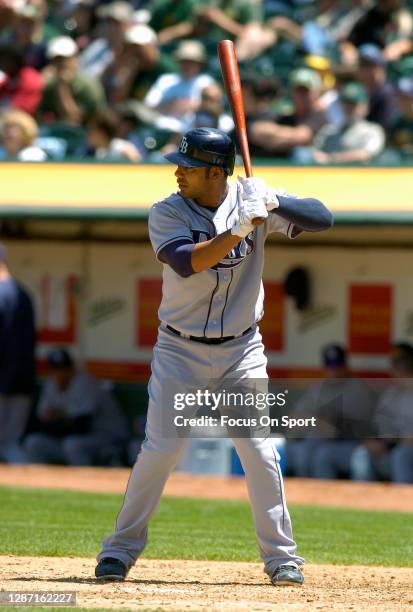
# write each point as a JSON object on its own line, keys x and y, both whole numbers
{"x": 205, "y": 147}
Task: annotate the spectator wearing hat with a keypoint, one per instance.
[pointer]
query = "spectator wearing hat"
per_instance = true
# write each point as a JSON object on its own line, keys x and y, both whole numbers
{"x": 32, "y": 30}
{"x": 78, "y": 421}
{"x": 17, "y": 360}
{"x": 209, "y": 113}
{"x": 113, "y": 21}
{"x": 18, "y": 134}
{"x": 179, "y": 93}
{"x": 142, "y": 41}
{"x": 372, "y": 74}
{"x": 295, "y": 129}
{"x": 211, "y": 110}
{"x": 401, "y": 131}
{"x": 343, "y": 408}
{"x": 29, "y": 33}
{"x": 69, "y": 96}
{"x": 104, "y": 142}
{"x": 357, "y": 140}
{"x": 389, "y": 455}
{"x": 140, "y": 63}
{"x": 329, "y": 100}
{"x": 21, "y": 86}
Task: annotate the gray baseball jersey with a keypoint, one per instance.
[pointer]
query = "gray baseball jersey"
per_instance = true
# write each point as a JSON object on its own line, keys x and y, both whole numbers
{"x": 224, "y": 300}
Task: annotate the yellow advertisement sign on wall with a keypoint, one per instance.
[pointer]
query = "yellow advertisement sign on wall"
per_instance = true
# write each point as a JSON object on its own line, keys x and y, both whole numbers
{"x": 98, "y": 191}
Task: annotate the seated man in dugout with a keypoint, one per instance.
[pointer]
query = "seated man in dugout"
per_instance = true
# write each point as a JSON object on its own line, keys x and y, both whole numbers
{"x": 78, "y": 422}
{"x": 343, "y": 407}
{"x": 389, "y": 456}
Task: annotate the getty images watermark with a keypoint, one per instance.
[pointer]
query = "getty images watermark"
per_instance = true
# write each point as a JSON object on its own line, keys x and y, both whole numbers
{"x": 225, "y": 402}
{"x": 243, "y": 408}
{"x": 347, "y": 408}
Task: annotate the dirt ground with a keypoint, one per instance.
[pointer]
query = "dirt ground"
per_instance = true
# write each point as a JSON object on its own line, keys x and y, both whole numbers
{"x": 160, "y": 585}
{"x": 198, "y": 585}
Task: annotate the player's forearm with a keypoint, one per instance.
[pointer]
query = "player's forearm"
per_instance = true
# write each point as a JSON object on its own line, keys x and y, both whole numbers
{"x": 207, "y": 254}
{"x": 307, "y": 214}
{"x": 186, "y": 258}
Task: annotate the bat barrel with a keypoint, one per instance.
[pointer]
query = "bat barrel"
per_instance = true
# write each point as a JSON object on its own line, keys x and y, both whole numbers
{"x": 232, "y": 83}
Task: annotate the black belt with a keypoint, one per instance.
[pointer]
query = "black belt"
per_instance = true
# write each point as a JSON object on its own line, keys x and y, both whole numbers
{"x": 205, "y": 340}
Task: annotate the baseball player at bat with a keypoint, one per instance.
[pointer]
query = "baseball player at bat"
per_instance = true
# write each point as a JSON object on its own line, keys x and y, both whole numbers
{"x": 212, "y": 302}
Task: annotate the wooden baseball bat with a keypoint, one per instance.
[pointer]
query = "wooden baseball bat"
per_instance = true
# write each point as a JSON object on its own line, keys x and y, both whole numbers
{"x": 232, "y": 83}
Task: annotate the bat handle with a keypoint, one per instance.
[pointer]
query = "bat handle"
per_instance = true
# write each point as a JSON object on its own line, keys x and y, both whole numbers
{"x": 248, "y": 173}
{"x": 248, "y": 168}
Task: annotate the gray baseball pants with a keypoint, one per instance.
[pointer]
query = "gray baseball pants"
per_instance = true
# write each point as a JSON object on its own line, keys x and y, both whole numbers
{"x": 195, "y": 364}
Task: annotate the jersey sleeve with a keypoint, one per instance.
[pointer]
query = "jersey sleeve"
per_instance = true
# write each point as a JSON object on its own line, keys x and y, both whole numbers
{"x": 167, "y": 226}
{"x": 275, "y": 223}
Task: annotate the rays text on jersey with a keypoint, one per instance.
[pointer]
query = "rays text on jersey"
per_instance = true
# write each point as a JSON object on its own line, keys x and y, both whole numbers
{"x": 244, "y": 248}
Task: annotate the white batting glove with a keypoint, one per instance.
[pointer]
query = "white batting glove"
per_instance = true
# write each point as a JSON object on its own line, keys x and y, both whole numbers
{"x": 242, "y": 226}
{"x": 254, "y": 196}
{"x": 271, "y": 199}
{"x": 247, "y": 211}
{"x": 257, "y": 189}
{"x": 253, "y": 188}
{"x": 255, "y": 208}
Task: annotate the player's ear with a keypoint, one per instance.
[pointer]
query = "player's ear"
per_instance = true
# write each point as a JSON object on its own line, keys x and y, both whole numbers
{"x": 215, "y": 173}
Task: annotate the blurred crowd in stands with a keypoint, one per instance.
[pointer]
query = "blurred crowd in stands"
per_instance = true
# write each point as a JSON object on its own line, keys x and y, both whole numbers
{"x": 325, "y": 81}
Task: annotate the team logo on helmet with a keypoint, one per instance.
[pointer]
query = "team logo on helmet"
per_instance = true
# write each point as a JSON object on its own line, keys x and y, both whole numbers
{"x": 205, "y": 147}
{"x": 183, "y": 147}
